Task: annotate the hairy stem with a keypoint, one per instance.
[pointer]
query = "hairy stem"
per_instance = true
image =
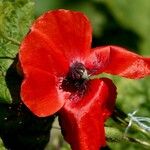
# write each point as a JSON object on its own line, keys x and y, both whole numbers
{"x": 120, "y": 117}
{"x": 137, "y": 141}
{"x": 115, "y": 135}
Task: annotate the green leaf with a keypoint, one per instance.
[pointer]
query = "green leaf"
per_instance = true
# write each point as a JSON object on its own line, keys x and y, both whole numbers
{"x": 2, "y": 145}
{"x": 15, "y": 18}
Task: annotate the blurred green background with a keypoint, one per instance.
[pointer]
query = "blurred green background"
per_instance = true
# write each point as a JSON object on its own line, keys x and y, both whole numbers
{"x": 120, "y": 22}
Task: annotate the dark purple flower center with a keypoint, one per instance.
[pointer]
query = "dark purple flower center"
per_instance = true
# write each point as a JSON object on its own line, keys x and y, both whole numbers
{"x": 76, "y": 79}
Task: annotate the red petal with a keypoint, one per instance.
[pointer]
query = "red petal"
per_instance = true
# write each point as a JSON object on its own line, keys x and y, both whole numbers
{"x": 109, "y": 103}
{"x": 66, "y": 31}
{"x": 97, "y": 60}
{"x": 36, "y": 51}
{"x": 119, "y": 61}
{"x": 127, "y": 64}
{"x": 39, "y": 93}
{"x": 82, "y": 120}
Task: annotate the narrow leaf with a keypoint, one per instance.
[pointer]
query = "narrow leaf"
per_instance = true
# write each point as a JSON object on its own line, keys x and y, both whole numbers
{"x": 15, "y": 19}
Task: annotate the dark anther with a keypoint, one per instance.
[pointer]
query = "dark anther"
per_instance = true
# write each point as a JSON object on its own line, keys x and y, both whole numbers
{"x": 76, "y": 79}
{"x": 77, "y": 70}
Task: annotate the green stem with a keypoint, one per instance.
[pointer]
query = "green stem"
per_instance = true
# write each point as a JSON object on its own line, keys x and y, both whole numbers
{"x": 120, "y": 117}
{"x": 137, "y": 141}
{"x": 57, "y": 128}
{"x": 115, "y": 135}
{"x": 138, "y": 128}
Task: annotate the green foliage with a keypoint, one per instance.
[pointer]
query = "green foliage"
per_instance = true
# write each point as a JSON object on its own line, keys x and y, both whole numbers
{"x": 15, "y": 18}
{"x": 133, "y": 15}
{"x": 134, "y": 95}
{"x": 2, "y": 145}
{"x": 19, "y": 128}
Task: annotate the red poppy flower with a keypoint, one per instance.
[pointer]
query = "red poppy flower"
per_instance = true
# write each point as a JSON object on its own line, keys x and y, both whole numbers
{"x": 58, "y": 62}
